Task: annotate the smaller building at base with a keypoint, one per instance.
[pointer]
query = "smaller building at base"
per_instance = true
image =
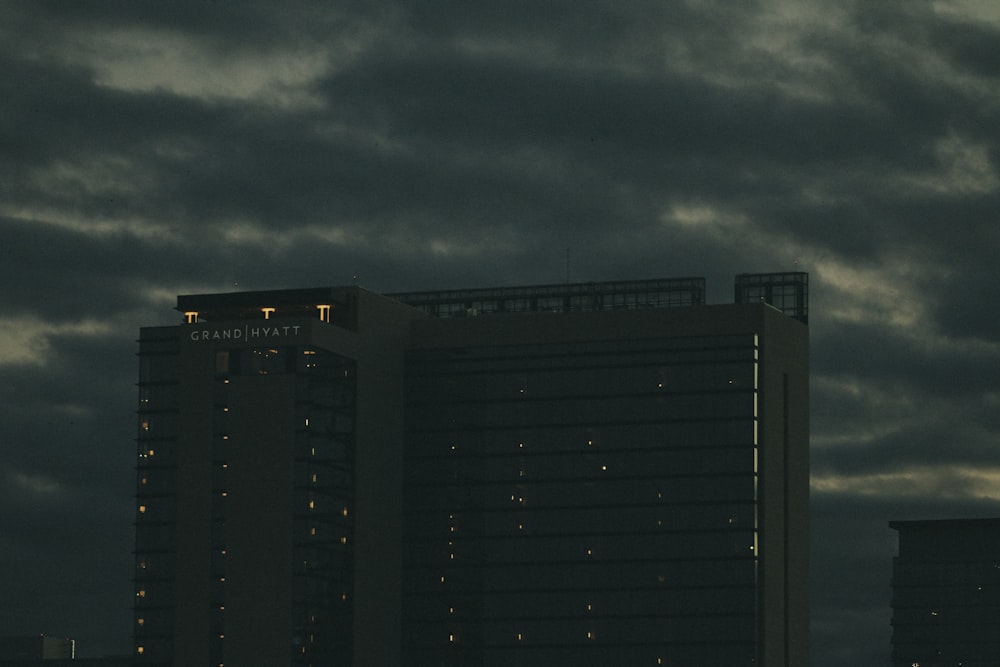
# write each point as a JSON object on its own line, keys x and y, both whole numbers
{"x": 946, "y": 593}
{"x": 36, "y": 647}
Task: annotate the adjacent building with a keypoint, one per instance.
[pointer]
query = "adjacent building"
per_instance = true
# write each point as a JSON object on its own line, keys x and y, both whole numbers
{"x": 946, "y": 593}
{"x": 599, "y": 473}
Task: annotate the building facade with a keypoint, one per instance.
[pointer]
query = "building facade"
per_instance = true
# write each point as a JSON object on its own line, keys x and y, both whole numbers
{"x": 946, "y": 593}
{"x": 597, "y": 474}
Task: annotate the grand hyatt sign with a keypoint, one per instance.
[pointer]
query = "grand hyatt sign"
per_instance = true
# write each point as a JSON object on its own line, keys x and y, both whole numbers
{"x": 246, "y": 333}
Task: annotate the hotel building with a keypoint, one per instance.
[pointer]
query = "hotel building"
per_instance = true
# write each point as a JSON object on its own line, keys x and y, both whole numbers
{"x": 599, "y": 474}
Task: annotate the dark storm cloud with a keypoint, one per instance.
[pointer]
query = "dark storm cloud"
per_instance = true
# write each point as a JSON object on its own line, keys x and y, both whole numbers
{"x": 151, "y": 149}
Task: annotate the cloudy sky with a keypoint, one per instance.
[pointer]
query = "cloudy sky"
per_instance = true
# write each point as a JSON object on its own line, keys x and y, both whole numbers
{"x": 151, "y": 149}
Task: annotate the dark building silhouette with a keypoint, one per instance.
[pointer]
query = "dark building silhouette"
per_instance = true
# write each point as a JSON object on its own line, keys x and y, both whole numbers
{"x": 946, "y": 593}
{"x": 599, "y": 474}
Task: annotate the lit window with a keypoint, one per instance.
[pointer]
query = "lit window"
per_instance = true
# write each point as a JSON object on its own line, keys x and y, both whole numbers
{"x": 343, "y": 539}
{"x": 142, "y": 509}
{"x": 312, "y": 531}
{"x": 141, "y": 593}
{"x": 312, "y": 504}
{"x": 314, "y": 478}
{"x": 451, "y": 638}
{"x": 140, "y": 650}
{"x": 140, "y": 621}
{"x": 442, "y": 578}
{"x": 590, "y": 634}
{"x": 519, "y": 636}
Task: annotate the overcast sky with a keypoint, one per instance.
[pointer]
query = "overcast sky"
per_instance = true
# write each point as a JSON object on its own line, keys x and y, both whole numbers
{"x": 153, "y": 149}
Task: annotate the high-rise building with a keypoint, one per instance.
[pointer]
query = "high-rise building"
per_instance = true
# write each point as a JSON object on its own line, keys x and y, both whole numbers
{"x": 946, "y": 593}
{"x": 600, "y": 474}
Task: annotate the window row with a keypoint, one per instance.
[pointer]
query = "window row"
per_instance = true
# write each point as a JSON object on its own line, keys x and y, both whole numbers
{"x": 588, "y": 461}
{"x": 652, "y": 629}
{"x": 584, "y": 575}
{"x": 696, "y": 598}
{"x": 599, "y": 490}
{"x": 507, "y": 440}
{"x": 583, "y": 380}
{"x": 722, "y": 517}
{"x": 457, "y": 649}
{"x": 540, "y": 412}
{"x": 615, "y": 547}
{"x": 615, "y": 352}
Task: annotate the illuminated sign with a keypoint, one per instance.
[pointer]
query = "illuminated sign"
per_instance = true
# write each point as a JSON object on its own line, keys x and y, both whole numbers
{"x": 246, "y": 333}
